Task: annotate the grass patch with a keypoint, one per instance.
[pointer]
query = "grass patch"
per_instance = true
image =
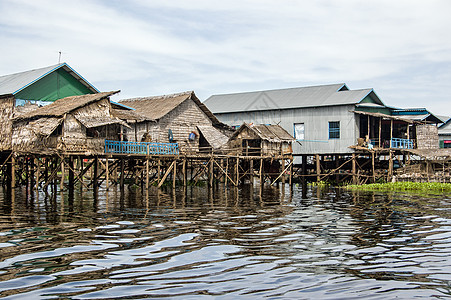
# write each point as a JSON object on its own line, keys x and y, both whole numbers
{"x": 403, "y": 186}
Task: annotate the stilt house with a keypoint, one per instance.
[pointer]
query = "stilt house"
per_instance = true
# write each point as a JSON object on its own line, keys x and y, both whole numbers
{"x": 180, "y": 118}
{"x": 326, "y": 119}
{"x": 76, "y": 125}
{"x": 260, "y": 140}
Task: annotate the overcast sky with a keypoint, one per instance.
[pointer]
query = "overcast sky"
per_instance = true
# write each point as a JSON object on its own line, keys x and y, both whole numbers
{"x": 402, "y": 49}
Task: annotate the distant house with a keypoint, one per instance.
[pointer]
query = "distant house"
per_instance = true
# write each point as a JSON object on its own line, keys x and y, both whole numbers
{"x": 76, "y": 125}
{"x": 260, "y": 140}
{"x": 39, "y": 86}
{"x": 444, "y": 134}
{"x": 180, "y": 118}
{"x": 325, "y": 119}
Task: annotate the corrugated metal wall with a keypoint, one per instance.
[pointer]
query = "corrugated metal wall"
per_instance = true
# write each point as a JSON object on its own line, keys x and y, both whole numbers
{"x": 316, "y": 121}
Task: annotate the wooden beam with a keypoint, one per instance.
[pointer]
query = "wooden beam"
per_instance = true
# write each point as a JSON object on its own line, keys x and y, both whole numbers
{"x": 166, "y": 174}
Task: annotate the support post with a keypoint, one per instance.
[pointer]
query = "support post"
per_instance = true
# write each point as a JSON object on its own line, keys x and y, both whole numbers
{"x": 318, "y": 168}
{"x": 390, "y": 166}
{"x": 354, "y": 175}
{"x": 107, "y": 173}
{"x": 62, "y": 174}
{"x": 373, "y": 167}
{"x": 13, "y": 171}
{"x": 237, "y": 170}
{"x": 174, "y": 174}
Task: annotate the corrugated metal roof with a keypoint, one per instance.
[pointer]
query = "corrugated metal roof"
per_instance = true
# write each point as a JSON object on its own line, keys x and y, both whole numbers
{"x": 14, "y": 83}
{"x": 312, "y": 96}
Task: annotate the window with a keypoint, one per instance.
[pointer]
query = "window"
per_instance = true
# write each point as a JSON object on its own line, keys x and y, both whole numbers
{"x": 334, "y": 130}
{"x": 299, "y": 131}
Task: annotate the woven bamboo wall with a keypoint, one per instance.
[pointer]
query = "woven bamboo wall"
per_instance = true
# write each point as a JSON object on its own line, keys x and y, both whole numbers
{"x": 427, "y": 137}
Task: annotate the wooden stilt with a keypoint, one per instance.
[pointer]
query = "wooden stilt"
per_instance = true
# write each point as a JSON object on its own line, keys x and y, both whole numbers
{"x": 38, "y": 172}
{"x": 354, "y": 175}
{"x": 373, "y": 167}
{"x": 13, "y": 171}
{"x": 318, "y": 168}
{"x": 390, "y": 166}
{"x": 283, "y": 168}
{"x": 260, "y": 173}
{"x": 71, "y": 173}
{"x": 107, "y": 173}
{"x": 251, "y": 171}
{"x": 237, "y": 170}
{"x": 62, "y": 174}
{"x": 174, "y": 174}
{"x": 147, "y": 173}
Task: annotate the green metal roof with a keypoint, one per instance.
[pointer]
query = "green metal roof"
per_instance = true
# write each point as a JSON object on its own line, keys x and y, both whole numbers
{"x": 46, "y": 84}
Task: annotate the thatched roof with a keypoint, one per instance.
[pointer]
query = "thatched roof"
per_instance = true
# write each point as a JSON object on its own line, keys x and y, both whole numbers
{"x": 214, "y": 137}
{"x": 158, "y": 106}
{"x": 271, "y": 133}
{"x": 64, "y": 106}
{"x": 130, "y": 115}
{"x": 45, "y": 126}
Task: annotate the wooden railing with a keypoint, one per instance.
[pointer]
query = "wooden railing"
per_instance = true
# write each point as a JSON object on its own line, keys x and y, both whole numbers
{"x": 141, "y": 148}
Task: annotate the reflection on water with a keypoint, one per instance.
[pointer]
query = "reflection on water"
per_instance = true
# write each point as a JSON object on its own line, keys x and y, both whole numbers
{"x": 226, "y": 243}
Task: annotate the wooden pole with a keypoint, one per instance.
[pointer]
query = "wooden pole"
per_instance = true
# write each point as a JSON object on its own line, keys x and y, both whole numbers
{"x": 147, "y": 173}
{"x": 122, "y": 173}
{"x": 354, "y": 175}
{"x": 391, "y": 132}
{"x": 283, "y": 171}
{"x": 237, "y": 170}
{"x": 62, "y": 174}
{"x": 251, "y": 170}
{"x": 96, "y": 172}
{"x": 185, "y": 175}
{"x": 318, "y": 168}
{"x": 226, "y": 171}
{"x": 158, "y": 170}
{"x": 260, "y": 173}
{"x": 210, "y": 181}
{"x": 380, "y": 131}
{"x": 71, "y": 172}
{"x": 38, "y": 169}
{"x": 107, "y": 174}
{"x": 174, "y": 174}
{"x": 390, "y": 166}
{"x": 13, "y": 171}
{"x": 373, "y": 167}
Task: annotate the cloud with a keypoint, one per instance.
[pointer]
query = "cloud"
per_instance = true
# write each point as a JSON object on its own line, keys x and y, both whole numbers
{"x": 152, "y": 47}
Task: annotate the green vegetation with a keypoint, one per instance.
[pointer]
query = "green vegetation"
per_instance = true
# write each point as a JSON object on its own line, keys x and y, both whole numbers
{"x": 403, "y": 186}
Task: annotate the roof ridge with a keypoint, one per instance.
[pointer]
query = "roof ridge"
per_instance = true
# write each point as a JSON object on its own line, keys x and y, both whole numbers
{"x": 167, "y": 96}
{"x": 282, "y": 89}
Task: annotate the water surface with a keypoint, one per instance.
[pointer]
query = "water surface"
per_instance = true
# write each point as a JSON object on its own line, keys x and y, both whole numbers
{"x": 224, "y": 244}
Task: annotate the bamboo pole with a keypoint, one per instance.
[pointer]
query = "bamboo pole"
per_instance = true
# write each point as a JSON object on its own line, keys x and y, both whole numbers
{"x": 354, "y": 176}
